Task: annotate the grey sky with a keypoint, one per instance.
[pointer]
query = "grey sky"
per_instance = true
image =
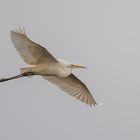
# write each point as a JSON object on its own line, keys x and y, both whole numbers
{"x": 103, "y": 35}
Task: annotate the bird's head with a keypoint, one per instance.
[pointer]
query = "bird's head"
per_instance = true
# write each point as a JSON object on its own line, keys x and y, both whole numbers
{"x": 71, "y": 65}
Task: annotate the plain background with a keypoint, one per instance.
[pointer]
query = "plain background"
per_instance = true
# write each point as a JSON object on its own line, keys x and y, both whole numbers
{"x": 103, "y": 35}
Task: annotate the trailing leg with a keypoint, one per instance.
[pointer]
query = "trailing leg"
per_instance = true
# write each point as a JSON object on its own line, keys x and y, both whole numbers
{"x": 17, "y": 76}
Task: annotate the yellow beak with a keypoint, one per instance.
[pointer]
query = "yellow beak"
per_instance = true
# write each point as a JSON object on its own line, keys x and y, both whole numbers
{"x": 79, "y": 66}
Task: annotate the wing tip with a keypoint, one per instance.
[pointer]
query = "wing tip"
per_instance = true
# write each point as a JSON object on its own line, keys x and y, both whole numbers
{"x": 96, "y": 104}
{"x": 19, "y": 30}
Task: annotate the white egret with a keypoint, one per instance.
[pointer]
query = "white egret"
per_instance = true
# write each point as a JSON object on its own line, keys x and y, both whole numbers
{"x": 58, "y": 72}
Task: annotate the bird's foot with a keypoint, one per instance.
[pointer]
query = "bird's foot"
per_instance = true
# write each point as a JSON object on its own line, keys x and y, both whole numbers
{"x": 2, "y": 79}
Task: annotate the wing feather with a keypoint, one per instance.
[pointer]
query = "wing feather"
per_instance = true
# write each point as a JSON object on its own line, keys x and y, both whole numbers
{"x": 74, "y": 87}
{"x": 31, "y": 52}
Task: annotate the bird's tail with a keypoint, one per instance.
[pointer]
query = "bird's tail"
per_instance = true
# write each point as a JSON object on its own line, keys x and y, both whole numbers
{"x": 25, "y": 70}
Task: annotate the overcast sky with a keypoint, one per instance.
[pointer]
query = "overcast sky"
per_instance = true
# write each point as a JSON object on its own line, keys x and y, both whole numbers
{"x": 103, "y": 35}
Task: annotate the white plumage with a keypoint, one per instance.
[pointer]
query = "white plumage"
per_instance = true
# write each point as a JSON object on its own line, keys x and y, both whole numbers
{"x": 56, "y": 71}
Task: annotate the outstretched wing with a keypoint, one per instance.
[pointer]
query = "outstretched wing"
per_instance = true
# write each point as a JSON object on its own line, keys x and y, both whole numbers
{"x": 31, "y": 52}
{"x": 73, "y": 86}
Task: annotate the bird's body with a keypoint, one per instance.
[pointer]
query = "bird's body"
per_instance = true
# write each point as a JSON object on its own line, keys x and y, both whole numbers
{"x": 49, "y": 69}
{"x": 58, "y": 72}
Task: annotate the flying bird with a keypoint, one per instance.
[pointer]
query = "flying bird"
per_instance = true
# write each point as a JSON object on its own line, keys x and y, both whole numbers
{"x": 43, "y": 63}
